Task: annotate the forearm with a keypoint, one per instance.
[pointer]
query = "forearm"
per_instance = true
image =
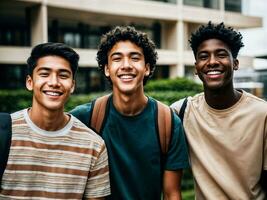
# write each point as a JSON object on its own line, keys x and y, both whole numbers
{"x": 172, "y": 185}
{"x": 175, "y": 195}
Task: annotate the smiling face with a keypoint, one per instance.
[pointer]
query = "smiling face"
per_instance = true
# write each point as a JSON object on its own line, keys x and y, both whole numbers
{"x": 51, "y": 82}
{"x": 126, "y": 67}
{"x": 215, "y": 64}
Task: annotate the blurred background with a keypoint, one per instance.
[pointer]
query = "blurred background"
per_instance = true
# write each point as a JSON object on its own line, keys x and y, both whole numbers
{"x": 80, "y": 24}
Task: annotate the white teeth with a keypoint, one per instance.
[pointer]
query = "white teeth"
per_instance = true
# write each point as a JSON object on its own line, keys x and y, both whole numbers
{"x": 126, "y": 76}
{"x": 53, "y": 93}
{"x": 213, "y": 72}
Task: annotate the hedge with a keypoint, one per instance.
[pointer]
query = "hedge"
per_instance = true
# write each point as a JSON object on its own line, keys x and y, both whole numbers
{"x": 165, "y": 90}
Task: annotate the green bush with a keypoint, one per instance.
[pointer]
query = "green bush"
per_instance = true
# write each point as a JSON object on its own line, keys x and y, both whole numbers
{"x": 165, "y": 90}
{"x": 171, "y": 90}
{"x": 174, "y": 85}
{"x": 13, "y": 100}
{"x": 79, "y": 99}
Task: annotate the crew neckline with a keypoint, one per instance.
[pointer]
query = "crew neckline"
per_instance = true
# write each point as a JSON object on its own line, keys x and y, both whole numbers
{"x": 63, "y": 131}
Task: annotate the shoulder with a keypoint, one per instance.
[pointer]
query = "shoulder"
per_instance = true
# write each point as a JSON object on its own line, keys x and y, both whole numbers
{"x": 254, "y": 98}
{"x": 84, "y": 108}
{"x": 255, "y": 102}
{"x": 85, "y": 132}
{"x": 82, "y": 112}
{"x": 176, "y": 106}
{"x": 18, "y": 115}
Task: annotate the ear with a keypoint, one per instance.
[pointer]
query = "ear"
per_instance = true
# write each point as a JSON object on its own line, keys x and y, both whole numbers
{"x": 147, "y": 72}
{"x": 106, "y": 71}
{"x": 195, "y": 70}
{"x": 72, "y": 87}
{"x": 29, "y": 83}
{"x": 236, "y": 64}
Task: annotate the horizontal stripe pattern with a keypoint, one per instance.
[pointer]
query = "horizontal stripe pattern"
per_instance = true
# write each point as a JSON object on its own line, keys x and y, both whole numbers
{"x": 69, "y": 166}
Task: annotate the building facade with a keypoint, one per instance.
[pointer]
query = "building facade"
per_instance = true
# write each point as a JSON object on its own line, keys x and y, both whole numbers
{"x": 80, "y": 24}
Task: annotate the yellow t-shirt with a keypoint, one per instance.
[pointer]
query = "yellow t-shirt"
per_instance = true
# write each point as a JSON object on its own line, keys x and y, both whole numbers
{"x": 228, "y": 148}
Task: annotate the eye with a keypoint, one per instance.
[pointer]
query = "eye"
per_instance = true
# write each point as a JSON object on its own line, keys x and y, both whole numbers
{"x": 222, "y": 55}
{"x": 203, "y": 56}
{"x": 116, "y": 58}
{"x": 135, "y": 58}
{"x": 44, "y": 74}
{"x": 64, "y": 75}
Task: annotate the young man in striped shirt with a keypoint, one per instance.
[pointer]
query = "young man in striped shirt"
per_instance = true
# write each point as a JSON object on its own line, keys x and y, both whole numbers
{"x": 52, "y": 154}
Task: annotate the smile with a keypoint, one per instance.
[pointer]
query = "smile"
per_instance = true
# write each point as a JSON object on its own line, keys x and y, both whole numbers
{"x": 50, "y": 93}
{"x": 126, "y": 76}
{"x": 215, "y": 72}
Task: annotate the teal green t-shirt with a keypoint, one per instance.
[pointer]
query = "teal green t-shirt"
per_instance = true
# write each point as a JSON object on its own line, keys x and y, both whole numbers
{"x": 134, "y": 151}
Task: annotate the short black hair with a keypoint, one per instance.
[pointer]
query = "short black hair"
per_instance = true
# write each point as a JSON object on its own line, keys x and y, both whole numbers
{"x": 123, "y": 33}
{"x": 211, "y": 31}
{"x": 53, "y": 49}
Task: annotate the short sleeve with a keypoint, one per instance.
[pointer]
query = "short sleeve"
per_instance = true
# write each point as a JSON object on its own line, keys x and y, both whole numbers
{"x": 98, "y": 183}
{"x": 177, "y": 156}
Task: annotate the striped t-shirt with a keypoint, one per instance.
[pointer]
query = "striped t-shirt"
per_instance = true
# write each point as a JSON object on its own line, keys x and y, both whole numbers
{"x": 70, "y": 163}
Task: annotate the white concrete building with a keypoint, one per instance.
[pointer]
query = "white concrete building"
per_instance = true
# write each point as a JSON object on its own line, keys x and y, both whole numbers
{"x": 25, "y": 23}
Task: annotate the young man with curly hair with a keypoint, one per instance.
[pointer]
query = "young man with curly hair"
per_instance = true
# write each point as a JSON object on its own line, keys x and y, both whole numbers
{"x": 226, "y": 128}
{"x": 53, "y": 155}
{"x": 127, "y": 57}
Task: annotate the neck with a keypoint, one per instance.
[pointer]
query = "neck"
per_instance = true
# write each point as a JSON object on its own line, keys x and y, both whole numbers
{"x": 47, "y": 120}
{"x": 129, "y": 105}
{"x": 222, "y": 98}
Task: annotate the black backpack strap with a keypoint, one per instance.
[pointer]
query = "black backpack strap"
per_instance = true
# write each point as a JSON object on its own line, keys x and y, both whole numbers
{"x": 99, "y": 113}
{"x": 182, "y": 109}
{"x": 5, "y": 140}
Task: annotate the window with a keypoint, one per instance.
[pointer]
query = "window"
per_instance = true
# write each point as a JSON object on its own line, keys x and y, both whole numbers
{"x": 233, "y": 5}
{"x": 90, "y": 80}
{"x": 12, "y": 76}
{"x": 76, "y": 35}
{"x": 214, "y": 4}
{"x": 161, "y": 72}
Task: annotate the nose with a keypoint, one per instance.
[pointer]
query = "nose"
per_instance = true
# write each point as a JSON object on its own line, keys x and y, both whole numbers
{"x": 53, "y": 80}
{"x": 212, "y": 61}
{"x": 126, "y": 63}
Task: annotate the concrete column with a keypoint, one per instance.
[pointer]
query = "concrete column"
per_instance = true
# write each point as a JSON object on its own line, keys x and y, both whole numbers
{"x": 181, "y": 46}
{"x": 222, "y": 9}
{"x": 39, "y": 24}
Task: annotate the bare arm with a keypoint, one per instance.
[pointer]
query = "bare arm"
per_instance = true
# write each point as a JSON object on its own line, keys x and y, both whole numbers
{"x": 172, "y": 185}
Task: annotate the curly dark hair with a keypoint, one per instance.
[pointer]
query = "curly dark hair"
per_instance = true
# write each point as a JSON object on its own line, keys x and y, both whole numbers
{"x": 211, "y": 31}
{"x": 53, "y": 49}
{"x": 123, "y": 33}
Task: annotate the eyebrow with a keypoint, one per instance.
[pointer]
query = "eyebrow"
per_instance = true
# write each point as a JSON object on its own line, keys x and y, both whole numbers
{"x": 131, "y": 53}
{"x": 49, "y": 69}
{"x": 216, "y": 50}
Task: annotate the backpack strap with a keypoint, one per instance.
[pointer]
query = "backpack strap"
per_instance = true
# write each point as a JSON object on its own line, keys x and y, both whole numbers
{"x": 98, "y": 113}
{"x": 5, "y": 140}
{"x": 164, "y": 119}
{"x": 182, "y": 109}
{"x": 164, "y": 126}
